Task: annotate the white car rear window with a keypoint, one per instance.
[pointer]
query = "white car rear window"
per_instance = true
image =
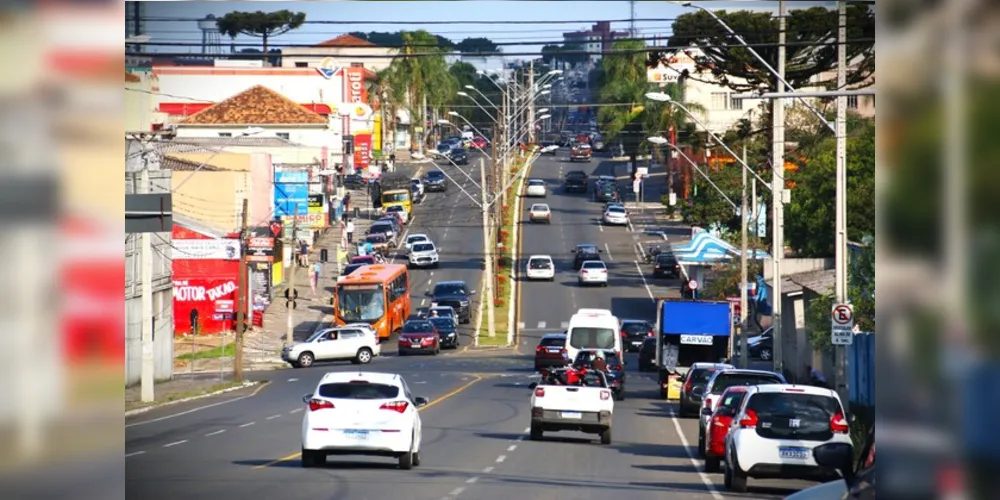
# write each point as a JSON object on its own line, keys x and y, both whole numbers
{"x": 358, "y": 390}
{"x": 593, "y": 265}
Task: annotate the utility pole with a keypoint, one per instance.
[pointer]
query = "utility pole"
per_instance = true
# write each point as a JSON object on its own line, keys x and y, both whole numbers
{"x": 488, "y": 248}
{"x": 744, "y": 271}
{"x": 840, "y": 252}
{"x": 777, "y": 191}
{"x": 506, "y": 140}
{"x": 423, "y": 126}
{"x": 241, "y": 296}
{"x": 531, "y": 103}
{"x": 148, "y": 372}
{"x": 291, "y": 293}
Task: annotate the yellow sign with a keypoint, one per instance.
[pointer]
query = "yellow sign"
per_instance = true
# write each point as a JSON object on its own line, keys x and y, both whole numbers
{"x": 377, "y": 134}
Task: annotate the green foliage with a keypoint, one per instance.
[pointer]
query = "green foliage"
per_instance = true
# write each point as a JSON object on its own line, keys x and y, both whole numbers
{"x": 737, "y": 68}
{"x": 263, "y": 25}
{"x": 623, "y": 81}
{"x": 707, "y": 206}
{"x": 563, "y": 53}
{"x": 395, "y": 38}
{"x": 477, "y": 45}
{"x": 726, "y": 278}
{"x": 811, "y": 215}
{"x": 860, "y": 293}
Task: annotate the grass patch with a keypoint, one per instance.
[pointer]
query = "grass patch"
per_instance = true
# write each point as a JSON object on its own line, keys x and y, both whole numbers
{"x": 222, "y": 351}
{"x": 221, "y": 386}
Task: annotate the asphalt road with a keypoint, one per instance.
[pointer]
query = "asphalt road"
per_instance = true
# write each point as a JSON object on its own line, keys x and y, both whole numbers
{"x": 475, "y": 446}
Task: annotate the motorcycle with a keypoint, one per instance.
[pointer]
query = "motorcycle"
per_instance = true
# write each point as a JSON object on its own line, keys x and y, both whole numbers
{"x": 651, "y": 252}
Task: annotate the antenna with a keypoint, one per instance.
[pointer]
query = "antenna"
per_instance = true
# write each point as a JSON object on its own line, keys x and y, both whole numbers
{"x": 631, "y": 22}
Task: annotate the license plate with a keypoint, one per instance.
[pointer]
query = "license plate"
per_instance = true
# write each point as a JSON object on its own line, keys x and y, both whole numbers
{"x": 356, "y": 434}
{"x": 553, "y": 350}
{"x": 793, "y": 453}
{"x": 572, "y": 414}
{"x": 696, "y": 339}
{"x": 636, "y": 342}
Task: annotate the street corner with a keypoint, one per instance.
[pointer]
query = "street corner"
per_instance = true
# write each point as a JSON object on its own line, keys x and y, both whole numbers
{"x": 187, "y": 391}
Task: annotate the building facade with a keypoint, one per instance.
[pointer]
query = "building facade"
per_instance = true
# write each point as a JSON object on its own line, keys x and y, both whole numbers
{"x": 595, "y": 40}
{"x": 337, "y": 53}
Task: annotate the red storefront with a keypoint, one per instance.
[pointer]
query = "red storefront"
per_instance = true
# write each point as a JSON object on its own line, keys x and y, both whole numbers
{"x": 205, "y": 270}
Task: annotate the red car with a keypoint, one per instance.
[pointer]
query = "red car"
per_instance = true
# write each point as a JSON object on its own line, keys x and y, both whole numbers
{"x": 363, "y": 259}
{"x": 479, "y": 142}
{"x": 551, "y": 352}
{"x": 714, "y": 449}
{"x": 419, "y": 336}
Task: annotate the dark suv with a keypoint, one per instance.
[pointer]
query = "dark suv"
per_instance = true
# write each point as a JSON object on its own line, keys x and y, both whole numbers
{"x": 435, "y": 180}
{"x": 575, "y": 182}
{"x": 634, "y": 332}
{"x": 697, "y": 376}
{"x": 666, "y": 266}
{"x": 455, "y": 294}
{"x": 584, "y": 253}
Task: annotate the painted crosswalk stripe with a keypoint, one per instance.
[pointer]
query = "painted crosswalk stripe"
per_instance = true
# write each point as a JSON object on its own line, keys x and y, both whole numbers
{"x": 541, "y": 325}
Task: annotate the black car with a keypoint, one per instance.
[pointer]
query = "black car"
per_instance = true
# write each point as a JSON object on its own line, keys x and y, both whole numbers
{"x": 455, "y": 294}
{"x": 434, "y": 180}
{"x": 634, "y": 332}
{"x": 697, "y": 376}
{"x": 354, "y": 181}
{"x": 666, "y": 266}
{"x": 447, "y": 331}
{"x": 606, "y": 193}
{"x": 575, "y": 182}
{"x": 616, "y": 369}
{"x": 647, "y": 355}
{"x": 584, "y": 253}
{"x": 460, "y": 156}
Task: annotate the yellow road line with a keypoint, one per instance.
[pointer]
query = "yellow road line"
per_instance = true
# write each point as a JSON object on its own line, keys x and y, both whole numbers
{"x": 451, "y": 394}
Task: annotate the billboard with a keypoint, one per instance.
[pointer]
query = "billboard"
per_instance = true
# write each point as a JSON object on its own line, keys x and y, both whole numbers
{"x": 222, "y": 249}
{"x": 354, "y": 85}
{"x": 671, "y": 68}
{"x": 291, "y": 190}
{"x": 362, "y": 151}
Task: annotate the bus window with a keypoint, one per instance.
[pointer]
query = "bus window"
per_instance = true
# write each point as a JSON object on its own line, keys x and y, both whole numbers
{"x": 364, "y": 303}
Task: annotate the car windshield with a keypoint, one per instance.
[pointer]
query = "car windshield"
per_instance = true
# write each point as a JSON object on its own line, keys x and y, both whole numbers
{"x": 444, "y": 147}
{"x": 536, "y": 182}
{"x": 665, "y": 259}
{"x": 423, "y": 247}
{"x": 588, "y": 250}
{"x": 539, "y": 264}
{"x": 376, "y": 238}
{"x": 539, "y": 208}
{"x": 361, "y": 303}
{"x": 395, "y": 197}
{"x": 449, "y": 289}
{"x": 395, "y": 208}
{"x": 446, "y": 323}
{"x": 616, "y": 210}
{"x": 381, "y": 228}
{"x": 794, "y": 415}
{"x": 726, "y": 380}
{"x": 358, "y": 390}
{"x": 414, "y": 239}
{"x": 418, "y": 327}
{"x": 701, "y": 375}
{"x": 635, "y": 328}
{"x": 584, "y": 337}
{"x": 435, "y": 174}
{"x": 593, "y": 265}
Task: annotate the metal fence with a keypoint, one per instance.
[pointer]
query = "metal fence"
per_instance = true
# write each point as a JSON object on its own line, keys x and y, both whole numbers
{"x": 861, "y": 370}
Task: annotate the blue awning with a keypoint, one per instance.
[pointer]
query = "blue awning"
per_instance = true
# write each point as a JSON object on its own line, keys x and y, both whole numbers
{"x": 707, "y": 249}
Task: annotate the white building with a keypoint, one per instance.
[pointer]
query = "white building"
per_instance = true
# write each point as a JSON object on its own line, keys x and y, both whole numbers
{"x": 338, "y": 53}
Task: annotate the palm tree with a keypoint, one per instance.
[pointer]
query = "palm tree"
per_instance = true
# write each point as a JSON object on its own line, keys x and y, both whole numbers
{"x": 387, "y": 95}
{"x": 423, "y": 80}
{"x": 623, "y": 81}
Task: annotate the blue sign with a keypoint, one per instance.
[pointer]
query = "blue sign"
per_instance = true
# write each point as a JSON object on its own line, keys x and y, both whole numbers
{"x": 291, "y": 190}
{"x": 681, "y": 317}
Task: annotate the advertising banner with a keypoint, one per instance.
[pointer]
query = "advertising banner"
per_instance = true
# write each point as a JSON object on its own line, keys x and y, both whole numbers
{"x": 377, "y": 134}
{"x": 317, "y": 207}
{"x": 354, "y": 85}
{"x": 221, "y": 249}
{"x": 208, "y": 302}
{"x": 362, "y": 151}
{"x": 671, "y": 69}
{"x": 260, "y": 245}
{"x": 291, "y": 190}
{"x": 307, "y": 221}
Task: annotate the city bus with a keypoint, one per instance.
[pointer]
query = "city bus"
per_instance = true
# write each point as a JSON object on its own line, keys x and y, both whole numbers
{"x": 376, "y": 294}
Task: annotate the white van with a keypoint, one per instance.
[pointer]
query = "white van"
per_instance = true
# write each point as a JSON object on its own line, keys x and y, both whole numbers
{"x": 592, "y": 329}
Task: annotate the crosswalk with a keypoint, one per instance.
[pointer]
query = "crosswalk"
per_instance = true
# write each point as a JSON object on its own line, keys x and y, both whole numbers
{"x": 544, "y": 326}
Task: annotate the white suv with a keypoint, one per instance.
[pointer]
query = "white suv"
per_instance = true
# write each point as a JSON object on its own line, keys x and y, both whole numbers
{"x": 775, "y": 430}
{"x": 359, "y": 344}
{"x": 424, "y": 254}
{"x": 362, "y": 413}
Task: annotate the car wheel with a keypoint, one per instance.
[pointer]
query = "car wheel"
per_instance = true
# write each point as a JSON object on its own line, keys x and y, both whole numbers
{"x": 401, "y": 353}
{"x": 364, "y": 356}
{"x": 606, "y": 436}
{"x": 536, "y": 433}
{"x": 621, "y": 395}
{"x": 416, "y": 459}
{"x": 312, "y": 458}
{"x": 712, "y": 464}
{"x": 765, "y": 354}
{"x": 737, "y": 479}
{"x": 306, "y": 359}
{"x": 406, "y": 461}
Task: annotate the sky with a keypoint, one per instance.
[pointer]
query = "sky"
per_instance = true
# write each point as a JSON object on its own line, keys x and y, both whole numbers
{"x": 587, "y": 11}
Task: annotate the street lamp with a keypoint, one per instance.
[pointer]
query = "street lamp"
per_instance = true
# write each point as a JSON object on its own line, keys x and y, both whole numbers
{"x": 660, "y": 141}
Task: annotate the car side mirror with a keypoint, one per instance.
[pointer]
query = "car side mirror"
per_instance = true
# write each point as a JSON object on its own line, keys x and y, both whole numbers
{"x": 420, "y": 402}
{"x": 706, "y": 412}
{"x": 572, "y": 251}
{"x": 698, "y": 391}
{"x": 428, "y": 294}
{"x": 306, "y": 398}
{"x": 600, "y": 251}
{"x": 838, "y": 456}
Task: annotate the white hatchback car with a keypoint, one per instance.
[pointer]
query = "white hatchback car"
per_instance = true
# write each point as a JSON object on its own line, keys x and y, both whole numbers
{"x": 413, "y": 239}
{"x": 616, "y": 216}
{"x": 362, "y": 413}
{"x": 540, "y": 212}
{"x": 424, "y": 254}
{"x": 775, "y": 430}
{"x": 540, "y": 267}
{"x": 536, "y": 187}
{"x": 354, "y": 343}
{"x": 593, "y": 272}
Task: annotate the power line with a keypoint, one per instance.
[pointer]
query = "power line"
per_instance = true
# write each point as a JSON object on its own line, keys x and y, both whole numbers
{"x": 436, "y": 23}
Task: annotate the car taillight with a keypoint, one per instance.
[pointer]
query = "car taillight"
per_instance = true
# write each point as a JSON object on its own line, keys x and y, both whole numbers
{"x": 396, "y": 406}
{"x": 540, "y": 348}
{"x": 320, "y": 404}
{"x": 839, "y": 424}
{"x": 605, "y": 395}
{"x": 540, "y": 392}
{"x": 688, "y": 385}
{"x": 749, "y": 420}
{"x": 604, "y": 271}
{"x": 649, "y": 333}
{"x": 624, "y": 334}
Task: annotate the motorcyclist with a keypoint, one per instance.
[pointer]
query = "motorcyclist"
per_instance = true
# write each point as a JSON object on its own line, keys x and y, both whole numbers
{"x": 599, "y": 363}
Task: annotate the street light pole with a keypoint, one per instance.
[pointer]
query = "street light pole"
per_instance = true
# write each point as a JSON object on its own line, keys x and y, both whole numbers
{"x": 777, "y": 191}
{"x": 744, "y": 271}
{"x": 840, "y": 252}
{"x": 488, "y": 249}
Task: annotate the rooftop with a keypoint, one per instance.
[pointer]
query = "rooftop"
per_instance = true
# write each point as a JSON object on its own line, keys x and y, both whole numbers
{"x": 257, "y": 105}
{"x": 180, "y": 164}
{"x": 346, "y": 40}
{"x": 246, "y": 141}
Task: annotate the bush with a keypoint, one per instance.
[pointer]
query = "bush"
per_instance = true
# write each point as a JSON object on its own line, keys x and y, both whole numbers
{"x": 498, "y": 302}
{"x": 502, "y": 280}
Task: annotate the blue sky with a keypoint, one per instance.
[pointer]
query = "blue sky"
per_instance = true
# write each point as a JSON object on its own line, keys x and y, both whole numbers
{"x": 187, "y": 31}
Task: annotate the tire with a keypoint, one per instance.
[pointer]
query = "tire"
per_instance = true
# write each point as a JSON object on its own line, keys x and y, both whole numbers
{"x": 621, "y": 395}
{"x": 306, "y": 359}
{"x": 401, "y": 353}
{"x": 713, "y": 464}
{"x": 416, "y": 459}
{"x": 606, "y": 436}
{"x": 536, "y": 433}
{"x": 765, "y": 354}
{"x": 406, "y": 461}
{"x": 364, "y": 356}
{"x": 311, "y": 458}
{"x": 734, "y": 479}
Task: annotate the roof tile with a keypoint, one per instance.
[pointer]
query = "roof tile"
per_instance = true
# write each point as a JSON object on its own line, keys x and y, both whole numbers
{"x": 346, "y": 40}
{"x": 257, "y": 105}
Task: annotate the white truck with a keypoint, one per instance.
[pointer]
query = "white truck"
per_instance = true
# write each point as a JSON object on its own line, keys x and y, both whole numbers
{"x": 584, "y": 406}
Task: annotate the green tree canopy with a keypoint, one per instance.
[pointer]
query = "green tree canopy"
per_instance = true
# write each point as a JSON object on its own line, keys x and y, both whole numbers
{"x": 860, "y": 292}
{"x": 263, "y": 25}
{"x": 477, "y": 44}
{"x": 815, "y": 28}
{"x": 395, "y": 39}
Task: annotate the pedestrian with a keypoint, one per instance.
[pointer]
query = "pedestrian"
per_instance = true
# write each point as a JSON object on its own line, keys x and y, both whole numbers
{"x": 392, "y": 161}
{"x": 303, "y": 253}
{"x": 347, "y": 202}
{"x": 350, "y": 231}
{"x": 314, "y": 277}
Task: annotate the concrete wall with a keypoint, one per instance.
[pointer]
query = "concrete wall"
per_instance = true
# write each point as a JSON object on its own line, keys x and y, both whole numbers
{"x": 316, "y": 136}
{"x": 795, "y": 266}
{"x": 295, "y": 56}
{"x": 215, "y": 198}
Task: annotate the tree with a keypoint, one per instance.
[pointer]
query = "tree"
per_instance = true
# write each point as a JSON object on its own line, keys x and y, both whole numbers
{"x": 477, "y": 44}
{"x": 421, "y": 77}
{"x": 395, "y": 39}
{"x": 263, "y": 25}
{"x": 811, "y": 216}
{"x": 731, "y": 63}
{"x": 860, "y": 293}
{"x": 550, "y": 53}
{"x": 386, "y": 94}
{"x": 623, "y": 81}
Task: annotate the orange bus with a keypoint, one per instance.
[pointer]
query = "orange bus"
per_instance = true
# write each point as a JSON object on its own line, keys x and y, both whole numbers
{"x": 377, "y": 294}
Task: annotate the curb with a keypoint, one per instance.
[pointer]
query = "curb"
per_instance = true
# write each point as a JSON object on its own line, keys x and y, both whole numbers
{"x": 144, "y": 409}
{"x": 515, "y": 288}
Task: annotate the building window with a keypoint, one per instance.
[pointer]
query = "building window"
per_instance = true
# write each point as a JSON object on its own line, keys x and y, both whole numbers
{"x": 282, "y": 135}
{"x": 735, "y": 103}
{"x": 852, "y": 102}
{"x": 357, "y": 65}
{"x": 225, "y": 134}
{"x": 719, "y": 100}
{"x": 301, "y": 64}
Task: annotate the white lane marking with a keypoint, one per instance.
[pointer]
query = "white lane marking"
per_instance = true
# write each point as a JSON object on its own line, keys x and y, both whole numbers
{"x": 601, "y": 227}
{"x": 248, "y": 424}
{"x": 175, "y": 443}
{"x": 293, "y": 380}
{"x": 564, "y": 325}
{"x": 694, "y": 462}
{"x": 650, "y": 292}
{"x": 295, "y": 411}
{"x": 432, "y": 273}
{"x": 512, "y": 447}
{"x": 134, "y": 454}
{"x": 457, "y": 491}
{"x": 216, "y": 433}
{"x": 606, "y": 247}
{"x": 472, "y": 480}
{"x": 630, "y": 228}
{"x": 272, "y": 417}
{"x": 541, "y": 325}
{"x": 424, "y": 301}
{"x": 487, "y": 470}
{"x": 192, "y": 410}
{"x": 501, "y": 458}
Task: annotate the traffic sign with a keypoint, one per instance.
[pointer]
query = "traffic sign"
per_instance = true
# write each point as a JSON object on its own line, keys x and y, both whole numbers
{"x": 693, "y": 284}
{"x": 636, "y": 185}
{"x": 842, "y": 324}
